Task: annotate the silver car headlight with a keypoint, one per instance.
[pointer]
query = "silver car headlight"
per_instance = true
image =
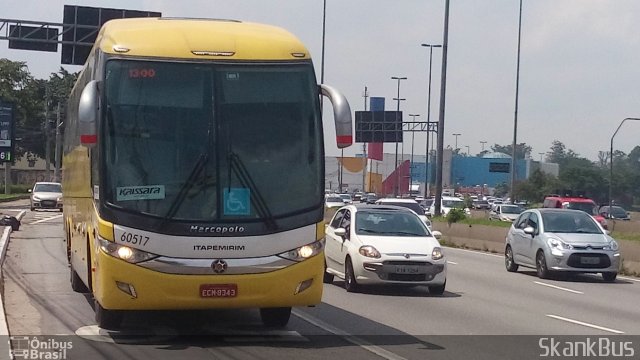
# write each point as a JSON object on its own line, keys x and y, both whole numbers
{"x": 123, "y": 252}
{"x": 304, "y": 252}
{"x": 612, "y": 245}
{"x": 436, "y": 253}
{"x": 558, "y": 244}
{"x": 369, "y": 251}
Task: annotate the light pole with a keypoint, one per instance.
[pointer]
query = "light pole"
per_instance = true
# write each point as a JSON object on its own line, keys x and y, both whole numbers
{"x": 413, "y": 116}
{"x": 483, "y": 142}
{"x": 426, "y": 161}
{"x": 456, "y": 135}
{"x": 398, "y": 99}
{"x": 443, "y": 91}
{"x": 611, "y": 161}
{"x": 515, "y": 115}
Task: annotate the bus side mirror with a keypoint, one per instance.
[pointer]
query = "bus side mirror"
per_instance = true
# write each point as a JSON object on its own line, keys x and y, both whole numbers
{"x": 88, "y": 111}
{"x": 341, "y": 115}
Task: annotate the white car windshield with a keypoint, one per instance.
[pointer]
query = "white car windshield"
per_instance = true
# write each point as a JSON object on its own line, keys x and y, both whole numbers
{"x": 55, "y": 188}
{"x": 391, "y": 223}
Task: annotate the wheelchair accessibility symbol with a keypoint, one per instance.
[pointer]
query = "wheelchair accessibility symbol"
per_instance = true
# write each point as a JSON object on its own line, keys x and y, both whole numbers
{"x": 237, "y": 201}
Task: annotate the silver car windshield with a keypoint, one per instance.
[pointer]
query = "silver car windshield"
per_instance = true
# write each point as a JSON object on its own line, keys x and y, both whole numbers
{"x": 569, "y": 222}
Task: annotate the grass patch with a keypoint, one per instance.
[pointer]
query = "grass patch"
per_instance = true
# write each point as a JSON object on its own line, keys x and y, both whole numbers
{"x": 9, "y": 197}
{"x": 625, "y": 236}
{"x": 474, "y": 221}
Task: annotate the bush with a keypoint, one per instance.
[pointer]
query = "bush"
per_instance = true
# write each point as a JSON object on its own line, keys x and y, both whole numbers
{"x": 455, "y": 215}
{"x": 20, "y": 189}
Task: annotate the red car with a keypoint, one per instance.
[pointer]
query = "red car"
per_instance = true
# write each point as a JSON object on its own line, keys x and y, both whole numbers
{"x": 575, "y": 202}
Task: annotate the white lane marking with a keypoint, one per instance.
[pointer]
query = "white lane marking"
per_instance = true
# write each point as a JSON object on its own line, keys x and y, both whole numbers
{"x": 348, "y": 337}
{"x": 47, "y": 219}
{"x": 451, "y": 262}
{"x": 558, "y": 287}
{"x": 628, "y": 278}
{"x": 476, "y": 252}
{"x": 585, "y": 324}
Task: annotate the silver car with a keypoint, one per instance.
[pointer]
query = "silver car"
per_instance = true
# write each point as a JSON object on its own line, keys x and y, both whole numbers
{"x": 561, "y": 240}
{"x": 46, "y": 195}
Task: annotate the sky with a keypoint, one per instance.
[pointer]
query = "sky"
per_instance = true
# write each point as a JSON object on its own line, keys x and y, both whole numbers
{"x": 578, "y": 62}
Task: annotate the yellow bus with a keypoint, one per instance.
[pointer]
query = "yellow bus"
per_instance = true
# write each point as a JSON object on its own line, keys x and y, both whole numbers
{"x": 194, "y": 169}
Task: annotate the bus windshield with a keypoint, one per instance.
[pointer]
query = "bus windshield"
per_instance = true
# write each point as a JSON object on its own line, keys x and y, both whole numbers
{"x": 211, "y": 142}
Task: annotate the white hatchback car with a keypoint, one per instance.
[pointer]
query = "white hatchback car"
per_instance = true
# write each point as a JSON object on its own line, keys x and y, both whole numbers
{"x": 383, "y": 244}
{"x": 46, "y": 195}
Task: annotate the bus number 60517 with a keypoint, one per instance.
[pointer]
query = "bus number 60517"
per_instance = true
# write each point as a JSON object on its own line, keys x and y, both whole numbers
{"x": 134, "y": 239}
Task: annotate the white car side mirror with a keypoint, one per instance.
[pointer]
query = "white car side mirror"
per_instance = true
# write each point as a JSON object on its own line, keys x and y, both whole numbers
{"x": 436, "y": 234}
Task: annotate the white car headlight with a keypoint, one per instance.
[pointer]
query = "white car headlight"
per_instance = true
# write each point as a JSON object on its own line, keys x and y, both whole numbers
{"x": 304, "y": 252}
{"x": 123, "y": 252}
{"x": 369, "y": 251}
{"x": 436, "y": 253}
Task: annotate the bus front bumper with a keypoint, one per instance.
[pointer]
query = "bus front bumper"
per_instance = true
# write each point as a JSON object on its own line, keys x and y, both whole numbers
{"x": 119, "y": 285}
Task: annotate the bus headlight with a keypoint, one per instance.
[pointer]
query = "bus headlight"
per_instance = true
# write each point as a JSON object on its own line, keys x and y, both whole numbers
{"x": 125, "y": 253}
{"x": 304, "y": 252}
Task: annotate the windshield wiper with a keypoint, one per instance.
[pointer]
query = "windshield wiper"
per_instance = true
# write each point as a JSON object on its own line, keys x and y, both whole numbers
{"x": 186, "y": 187}
{"x": 237, "y": 166}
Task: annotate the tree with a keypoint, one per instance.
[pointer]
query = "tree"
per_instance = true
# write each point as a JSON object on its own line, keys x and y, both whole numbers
{"x": 522, "y": 150}
{"x": 32, "y": 98}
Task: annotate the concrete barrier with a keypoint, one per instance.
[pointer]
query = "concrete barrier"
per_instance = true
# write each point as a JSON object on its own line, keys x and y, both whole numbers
{"x": 492, "y": 238}
{"x": 5, "y": 348}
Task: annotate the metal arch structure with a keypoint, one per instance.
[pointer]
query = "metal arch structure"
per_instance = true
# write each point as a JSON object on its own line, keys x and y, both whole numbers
{"x": 24, "y": 30}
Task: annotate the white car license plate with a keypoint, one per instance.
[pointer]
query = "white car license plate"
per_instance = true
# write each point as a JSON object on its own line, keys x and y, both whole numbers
{"x": 589, "y": 260}
{"x": 407, "y": 269}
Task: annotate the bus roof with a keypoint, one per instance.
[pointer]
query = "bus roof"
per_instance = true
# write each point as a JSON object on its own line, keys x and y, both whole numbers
{"x": 199, "y": 39}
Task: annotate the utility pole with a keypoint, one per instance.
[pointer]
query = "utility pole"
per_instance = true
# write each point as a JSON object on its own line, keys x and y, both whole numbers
{"x": 47, "y": 148}
{"x": 365, "y": 95}
{"x": 56, "y": 157}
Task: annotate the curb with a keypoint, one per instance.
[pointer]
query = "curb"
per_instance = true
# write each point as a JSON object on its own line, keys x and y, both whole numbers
{"x": 4, "y": 244}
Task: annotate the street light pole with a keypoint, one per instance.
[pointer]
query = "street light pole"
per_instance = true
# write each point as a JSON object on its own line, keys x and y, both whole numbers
{"x": 515, "y": 116}
{"x": 443, "y": 90}
{"x": 398, "y": 99}
{"x": 611, "y": 161}
{"x": 456, "y": 135}
{"x": 413, "y": 116}
{"x": 426, "y": 161}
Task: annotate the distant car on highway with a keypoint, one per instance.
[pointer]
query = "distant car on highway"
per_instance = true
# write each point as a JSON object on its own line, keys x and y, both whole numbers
{"x": 409, "y": 204}
{"x": 448, "y": 203}
{"x": 480, "y": 204}
{"x": 346, "y": 198}
{"x": 333, "y": 201}
{"x": 561, "y": 240}
{"x": 46, "y": 195}
{"x": 616, "y": 212}
{"x": 504, "y": 212}
{"x": 383, "y": 244}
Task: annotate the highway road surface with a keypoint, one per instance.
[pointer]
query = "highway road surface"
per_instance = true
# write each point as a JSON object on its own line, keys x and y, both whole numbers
{"x": 485, "y": 313}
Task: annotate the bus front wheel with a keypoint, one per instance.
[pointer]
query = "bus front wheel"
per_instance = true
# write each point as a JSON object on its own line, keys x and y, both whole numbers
{"x": 108, "y": 319}
{"x": 275, "y": 317}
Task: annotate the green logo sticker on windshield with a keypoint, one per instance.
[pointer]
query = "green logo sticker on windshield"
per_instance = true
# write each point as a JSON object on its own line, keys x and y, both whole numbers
{"x": 151, "y": 192}
{"x": 237, "y": 201}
